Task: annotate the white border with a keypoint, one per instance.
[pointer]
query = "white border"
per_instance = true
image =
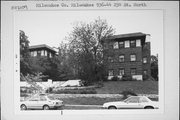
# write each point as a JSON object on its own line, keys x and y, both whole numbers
{"x": 170, "y": 10}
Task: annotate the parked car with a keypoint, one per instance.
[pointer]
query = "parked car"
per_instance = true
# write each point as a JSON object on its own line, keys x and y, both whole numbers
{"x": 132, "y": 102}
{"x": 41, "y": 101}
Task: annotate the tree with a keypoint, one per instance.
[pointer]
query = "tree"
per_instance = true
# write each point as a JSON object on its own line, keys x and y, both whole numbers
{"x": 154, "y": 67}
{"x": 25, "y": 67}
{"x": 86, "y": 48}
{"x": 63, "y": 61}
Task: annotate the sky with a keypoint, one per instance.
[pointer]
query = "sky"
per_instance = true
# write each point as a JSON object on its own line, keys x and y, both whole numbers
{"x": 51, "y": 27}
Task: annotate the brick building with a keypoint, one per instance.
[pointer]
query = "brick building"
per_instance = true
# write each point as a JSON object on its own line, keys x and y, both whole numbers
{"x": 42, "y": 50}
{"x": 127, "y": 54}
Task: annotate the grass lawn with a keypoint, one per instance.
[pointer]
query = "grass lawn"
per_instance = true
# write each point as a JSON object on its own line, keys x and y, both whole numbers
{"x": 139, "y": 87}
{"x": 88, "y": 100}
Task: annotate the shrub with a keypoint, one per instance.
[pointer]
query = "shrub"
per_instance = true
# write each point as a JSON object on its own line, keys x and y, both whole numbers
{"x": 24, "y": 95}
{"x": 127, "y": 78}
{"x": 105, "y": 78}
{"x": 128, "y": 93}
{"x": 49, "y": 90}
{"x": 115, "y": 78}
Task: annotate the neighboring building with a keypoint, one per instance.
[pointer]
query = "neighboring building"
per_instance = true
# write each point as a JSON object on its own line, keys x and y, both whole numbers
{"x": 127, "y": 54}
{"x": 42, "y": 50}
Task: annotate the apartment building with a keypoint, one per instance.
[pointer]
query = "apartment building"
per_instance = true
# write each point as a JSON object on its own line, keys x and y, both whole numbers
{"x": 128, "y": 54}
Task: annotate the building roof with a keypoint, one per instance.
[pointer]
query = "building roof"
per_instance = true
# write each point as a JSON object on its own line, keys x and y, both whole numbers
{"x": 137, "y": 34}
{"x": 41, "y": 46}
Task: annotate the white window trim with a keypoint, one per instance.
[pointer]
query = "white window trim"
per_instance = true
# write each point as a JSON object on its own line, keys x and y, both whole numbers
{"x": 35, "y": 53}
{"x": 138, "y": 43}
{"x": 122, "y": 72}
{"x": 127, "y": 44}
{"x": 144, "y": 59}
{"x": 45, "y": 53}
{"x": 111, "y": 71}
{"x": 133, "y": 58}
{"x": 42, "y": 52}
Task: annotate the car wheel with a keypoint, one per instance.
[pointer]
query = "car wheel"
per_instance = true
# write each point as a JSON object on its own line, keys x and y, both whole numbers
{"x": 23, "y": 107}
{"x": 112, "y": 107}
{"x": 149, "y": 107}
{"x": 45, "y": 107}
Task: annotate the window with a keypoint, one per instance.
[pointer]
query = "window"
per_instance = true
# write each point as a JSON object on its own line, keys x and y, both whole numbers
{"x": 143, "y": 100}
{"x": 132, "y": 100}
{"x": 132, "y": 57}
{"x": 39, "y": 53}
{"x": 138, "y": 43}
{"x": 121, "y": 44}
{"x": 121, "y": 71}
{"x": 50, "y": 55}
{"x": 42, "y": 98}
{"x": 133, "y": 71}
{"x": 35, "y": 53}
{"x": 126, "y": 44}
{"x": 115, "y": 45}
{"x": 45, "y": 53}
{"x": 32, "y": 53}
{"x": 145, "y": 60}
{"x": 42, "y": 52}
{"x": 133, "y": 43}
{"x": 110, "y": 59}
{"x": 34, "y": 98}
{"x": 121, "y": 58}
{"x": 110, "y": 73}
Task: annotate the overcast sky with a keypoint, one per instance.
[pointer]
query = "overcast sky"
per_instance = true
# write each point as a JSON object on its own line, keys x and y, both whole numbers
{"x": 51, "y": 27}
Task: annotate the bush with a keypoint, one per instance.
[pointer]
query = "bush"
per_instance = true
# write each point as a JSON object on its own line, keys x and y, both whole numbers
{"x": 115, "y": 78}
{"x": 49, "y": 90}
{"x": 24, "y": 95}
{"x": 128, "y": 93}
{"x": 127, "y": 78}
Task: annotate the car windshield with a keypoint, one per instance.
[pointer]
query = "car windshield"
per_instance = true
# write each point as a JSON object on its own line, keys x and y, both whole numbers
{"x": 143, "y": 99}
{"x": 52, "y": 98}
{"x": 132, "y": 100}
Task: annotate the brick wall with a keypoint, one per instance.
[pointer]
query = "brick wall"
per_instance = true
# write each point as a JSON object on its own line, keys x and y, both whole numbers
{"x": 127, "y": 64}
{"x": 140, "y": 52}
{"x": 147, "y": 53}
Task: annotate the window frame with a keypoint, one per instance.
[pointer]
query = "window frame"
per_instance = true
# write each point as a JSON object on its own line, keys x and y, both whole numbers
{"x": 120, "y": 72}
{"x": 138, "y": 45}
{"x": 121, "y": 45}
{"x": 133, "y": 45}
{"x": 112, "y": 72}
{"x": 135, "y": 71}
{"x": 145, "y": 60}
{"x": 123, "y": 59}
{"x": 132, "y": 59}
{"x": 38, "y": 52}
{"x": 126, "y": 44}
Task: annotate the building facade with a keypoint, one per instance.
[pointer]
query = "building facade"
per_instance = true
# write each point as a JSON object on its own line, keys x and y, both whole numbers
{"x": 42, "y": 50}
{"x": 127, "y": 54}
